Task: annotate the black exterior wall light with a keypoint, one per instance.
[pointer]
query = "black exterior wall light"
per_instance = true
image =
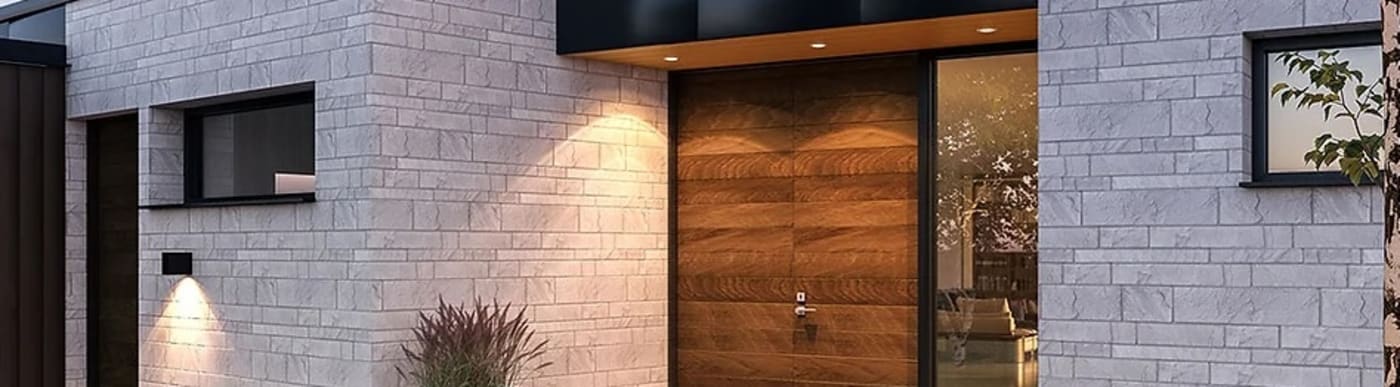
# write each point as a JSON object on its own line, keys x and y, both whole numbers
{"x": 177, "y": 263}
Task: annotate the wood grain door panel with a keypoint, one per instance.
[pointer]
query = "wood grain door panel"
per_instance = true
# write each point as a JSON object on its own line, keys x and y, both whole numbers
{"x": 855, "y": 188}
{"x": 856, "y": 371}
{"x": 804, "y": 183}
{"x": 734, "y": 263}
{"x": 734, "y": 191}
{"x": 734, "y": 215}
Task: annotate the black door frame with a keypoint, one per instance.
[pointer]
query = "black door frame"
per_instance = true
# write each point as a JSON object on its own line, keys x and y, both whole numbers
{"x": 927, "y": 67}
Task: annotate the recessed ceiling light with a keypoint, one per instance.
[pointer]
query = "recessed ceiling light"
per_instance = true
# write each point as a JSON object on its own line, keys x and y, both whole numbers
{"x": 818, "y": 45}
{"x": 986, "y": 30}
{"x": 671, "y": 59}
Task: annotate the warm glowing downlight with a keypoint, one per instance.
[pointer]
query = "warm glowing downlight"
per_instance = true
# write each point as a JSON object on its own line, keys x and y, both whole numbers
{"x": 986, "y": 30}
{"x": 188, "y": 320}
{"x": 818, "y": 45}
{"x": 671, "y": 59}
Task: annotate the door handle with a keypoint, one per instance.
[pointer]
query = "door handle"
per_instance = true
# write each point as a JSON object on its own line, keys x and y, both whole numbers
{"x": 801, "y": 310}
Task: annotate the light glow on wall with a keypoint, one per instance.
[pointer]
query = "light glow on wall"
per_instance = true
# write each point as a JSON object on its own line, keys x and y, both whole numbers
{"x": 186, "y": 334}
{"x": 187, "y": 314}
{"x": 627, "y": 142}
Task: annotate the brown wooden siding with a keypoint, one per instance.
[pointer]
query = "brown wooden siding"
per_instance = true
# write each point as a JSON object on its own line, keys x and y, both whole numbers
{"x": 31, "y": 225}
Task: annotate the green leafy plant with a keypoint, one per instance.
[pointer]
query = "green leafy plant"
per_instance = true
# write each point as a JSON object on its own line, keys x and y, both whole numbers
{"x": 1330, "y": 80}
{"x": 484, "y": 346}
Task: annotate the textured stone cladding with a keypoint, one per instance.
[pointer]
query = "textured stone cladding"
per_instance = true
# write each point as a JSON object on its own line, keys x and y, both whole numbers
{"x": 456, "y": 155}
{"x": 1157, "y": 269}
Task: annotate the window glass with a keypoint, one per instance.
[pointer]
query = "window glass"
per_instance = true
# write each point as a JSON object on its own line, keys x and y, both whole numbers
{"x": 260, "y": 152}
{"x": 1292, "y": 129}
{"x": 46, "y": 26}
{"x": 988, "y": 316}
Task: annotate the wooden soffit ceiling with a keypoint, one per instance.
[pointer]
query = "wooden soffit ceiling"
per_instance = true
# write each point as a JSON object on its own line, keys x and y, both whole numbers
{"x": 902, "y": 36}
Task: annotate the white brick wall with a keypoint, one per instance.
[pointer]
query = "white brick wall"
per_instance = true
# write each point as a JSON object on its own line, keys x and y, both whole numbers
{"x": 456, "y": 156}
{"x": 75, "y": 251}
{"x": 523, "y": 177}
{"x": 1157, "y": 268}
{"x": 272, "y": 300}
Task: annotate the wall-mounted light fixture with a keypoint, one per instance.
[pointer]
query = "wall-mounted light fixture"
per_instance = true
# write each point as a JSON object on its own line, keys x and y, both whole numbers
{"x": 181, "y": 263}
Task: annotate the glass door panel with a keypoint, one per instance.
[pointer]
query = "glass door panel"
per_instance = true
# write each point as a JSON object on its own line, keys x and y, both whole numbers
{"x": 984, "y": 174}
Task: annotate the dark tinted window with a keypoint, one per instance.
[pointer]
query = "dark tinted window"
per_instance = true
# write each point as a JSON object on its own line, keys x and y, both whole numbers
{"x": 261, "y": 148}
{"x": 46, "y": 26}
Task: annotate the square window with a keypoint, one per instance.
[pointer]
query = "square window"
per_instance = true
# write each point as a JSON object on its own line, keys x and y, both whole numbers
{"x": 1285, "y": 131}
{"x": 251, "y": 150}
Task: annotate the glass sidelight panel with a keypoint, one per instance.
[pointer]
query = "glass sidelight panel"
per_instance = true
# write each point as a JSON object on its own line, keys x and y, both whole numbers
{"x": 985, "y": 181}
{"x": 798, "y": 179}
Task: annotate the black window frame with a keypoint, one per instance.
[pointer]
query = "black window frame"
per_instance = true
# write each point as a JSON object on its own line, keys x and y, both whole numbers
{"x": 1260, "y": 100}
{"x": 194, "y": 151}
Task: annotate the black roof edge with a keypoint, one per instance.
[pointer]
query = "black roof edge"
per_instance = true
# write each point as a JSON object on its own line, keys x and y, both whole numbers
{"x": 33, "y": 53}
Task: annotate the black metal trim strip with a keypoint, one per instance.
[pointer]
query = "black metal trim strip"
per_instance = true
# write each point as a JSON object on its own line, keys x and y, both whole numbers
{"x": 237, "y": 201}
{"x": 672, "y": 228}
{"x": 33, "y": 53}
{"x": 927, "y": 217}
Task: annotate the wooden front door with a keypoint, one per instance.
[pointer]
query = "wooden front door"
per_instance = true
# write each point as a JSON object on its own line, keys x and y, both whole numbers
{"x": 793, "y": 179}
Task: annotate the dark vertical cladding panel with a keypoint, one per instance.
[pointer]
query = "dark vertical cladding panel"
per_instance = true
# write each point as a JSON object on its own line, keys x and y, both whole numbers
{"x": 9, "y": 225}
{"x": 31, "y": 225}
{"x": 730, "y": 18}
{"x": 31, "y": 125}
{"x": 588, "y": 25}
{"x": 54, "y": 224}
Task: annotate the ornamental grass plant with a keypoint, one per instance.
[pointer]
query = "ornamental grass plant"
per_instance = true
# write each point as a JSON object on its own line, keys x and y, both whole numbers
{"x": 488, "y": 345}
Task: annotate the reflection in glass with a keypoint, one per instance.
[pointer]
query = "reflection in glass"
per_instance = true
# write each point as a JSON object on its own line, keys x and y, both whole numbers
{"x": 1292, "y": 130}
{"x": 45, "y": 26}
{"x": 259, "y": 152}
{"x": 985, "y": 178}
